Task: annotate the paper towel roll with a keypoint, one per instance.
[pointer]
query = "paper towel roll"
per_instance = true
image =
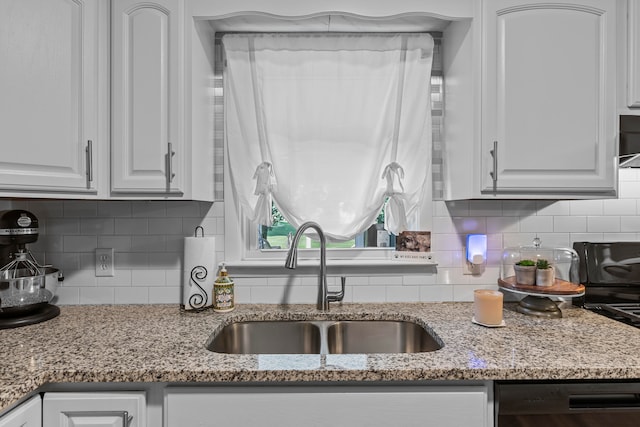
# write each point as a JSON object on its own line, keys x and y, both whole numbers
{"x": 199, "y": 274}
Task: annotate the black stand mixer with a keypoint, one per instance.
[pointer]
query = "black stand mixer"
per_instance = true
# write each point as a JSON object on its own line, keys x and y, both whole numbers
{"x": 26, "y": 286}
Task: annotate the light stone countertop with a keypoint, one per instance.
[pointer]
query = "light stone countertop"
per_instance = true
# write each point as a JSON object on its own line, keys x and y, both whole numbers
{"x": 161, "y": 343}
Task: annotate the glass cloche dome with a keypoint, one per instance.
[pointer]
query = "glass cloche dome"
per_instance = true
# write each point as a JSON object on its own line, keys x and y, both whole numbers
{"x": 564, "y": 260}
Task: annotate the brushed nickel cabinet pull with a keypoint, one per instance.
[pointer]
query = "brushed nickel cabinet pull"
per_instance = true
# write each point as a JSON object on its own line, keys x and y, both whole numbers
{"x": 126, "y": 419}
{"x": 170, "y": 154}
{"x": 89, "y": 152}
{"x": 494, "y": 172}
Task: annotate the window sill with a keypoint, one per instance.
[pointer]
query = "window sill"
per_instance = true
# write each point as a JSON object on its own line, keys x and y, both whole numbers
{"x": 337, "y": 267}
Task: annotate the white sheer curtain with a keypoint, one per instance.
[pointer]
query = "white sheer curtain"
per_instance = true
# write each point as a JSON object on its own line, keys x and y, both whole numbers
{"x": 329, "y": 126}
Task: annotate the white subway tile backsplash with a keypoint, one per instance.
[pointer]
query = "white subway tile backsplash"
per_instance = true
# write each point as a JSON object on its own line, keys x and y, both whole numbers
{"x": 570, "y": 224}
{"x": 61, "y": 226}
{"x": 149, "y": 209}
{"x": 165, "y": 260}
{"x": 129, "y": 226}
{"x": 629, "y": 190}
{"x": 148, "y": 239}
{"x": 370, "y": 294}
{"x": 131, "y": 295}
{"x": 183, "y": 209}
{"x": 436, "y": 293}
{"x": 80, "y": 208}
{"x": 165, "y": 295}
{"x": 466, "y": 225}
{"x": 113, "y": 209}
{"x": 98, "y": 226}
{"x": 620, "y": 207}
{"x": 165, "y": 226}
{"x": 385, "y": 280}
{"x": 454, "y": 208}
{"x": 443, "y": 225}
{"x": 80, "y": 243}
{"x": 120, "y": 278}
{"x": 601, "y": 224}
{"x": 148, "y": 277}
{"x": 67, "y": 295}
{"x": 622, "y": 237}
{"x": 118, "y": 243}
{"x": 485, "y": 208}
{"x": 498, "y": 224}
{"x": 629, "y": 224}
{"x": 553, "y": 207}
{"x": 419, "y": 280}
{"x": 131, "y": 260}
{"x": 518, "y": 207}
{"x": 97, "y": 296}
{"x": 403, "y": 293}
{"x": 148, "y": 243}
{"x": 43, "y": 208}
{"x": 586, "y": 207}
{"x": 536, "y": 224}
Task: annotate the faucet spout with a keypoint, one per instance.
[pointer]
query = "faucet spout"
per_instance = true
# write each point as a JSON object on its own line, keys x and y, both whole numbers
{"x": 324, "y": 296}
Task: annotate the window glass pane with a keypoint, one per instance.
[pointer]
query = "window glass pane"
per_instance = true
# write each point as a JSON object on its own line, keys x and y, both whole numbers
{"x": 280, "y": 234}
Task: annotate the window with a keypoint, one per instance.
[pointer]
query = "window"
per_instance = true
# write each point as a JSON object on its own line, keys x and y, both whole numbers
{"x": 260, "y": 242}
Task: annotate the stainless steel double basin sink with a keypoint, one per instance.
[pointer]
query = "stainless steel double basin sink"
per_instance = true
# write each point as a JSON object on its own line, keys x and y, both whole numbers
{"x": 323, "y": 337}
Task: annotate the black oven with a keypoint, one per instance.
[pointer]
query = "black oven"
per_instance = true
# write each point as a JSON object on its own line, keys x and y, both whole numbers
{"x": 610, "y": 272}
{"x": 567, "y": 404}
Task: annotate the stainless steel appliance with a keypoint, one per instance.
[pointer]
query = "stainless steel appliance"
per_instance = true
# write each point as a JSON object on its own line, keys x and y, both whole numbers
{"x": 567, "y": 404}
{"x": 26, "y": 286}
{"x": 610, "y": 273}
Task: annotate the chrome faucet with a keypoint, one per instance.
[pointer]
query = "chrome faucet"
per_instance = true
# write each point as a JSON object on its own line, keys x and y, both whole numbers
{"x": 324, "y": 296}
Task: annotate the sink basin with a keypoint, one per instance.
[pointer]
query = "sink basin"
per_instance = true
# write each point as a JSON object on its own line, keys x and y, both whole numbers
{"x": 323, "y": 337}
{"x": 379, "y": 336}
{"x": 277, "y": 337}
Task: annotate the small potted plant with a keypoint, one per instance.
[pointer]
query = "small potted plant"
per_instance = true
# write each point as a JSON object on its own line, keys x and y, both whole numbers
{"x": 525, "y": 272}
{"x": 545, "y": 274}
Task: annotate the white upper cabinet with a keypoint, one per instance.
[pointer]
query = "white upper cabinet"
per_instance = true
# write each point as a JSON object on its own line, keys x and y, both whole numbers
{"x": 548, "y": 99}
{"x": 148, "y": 149}
{"x": 633, "y": 54}
{"x": 49, "y": 81}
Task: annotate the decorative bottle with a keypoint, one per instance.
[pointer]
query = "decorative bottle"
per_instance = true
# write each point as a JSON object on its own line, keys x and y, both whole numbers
{"x": 223, "y": 300}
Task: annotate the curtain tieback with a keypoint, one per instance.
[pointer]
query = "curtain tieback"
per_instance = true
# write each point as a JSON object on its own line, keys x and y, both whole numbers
{"x": 265, "y": 180}
{"x": 391, "y": 171}
{"x": 265, "y": 185}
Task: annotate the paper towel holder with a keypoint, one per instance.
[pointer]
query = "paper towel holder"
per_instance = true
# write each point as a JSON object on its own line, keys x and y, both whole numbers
{"x": 195, "y": 232}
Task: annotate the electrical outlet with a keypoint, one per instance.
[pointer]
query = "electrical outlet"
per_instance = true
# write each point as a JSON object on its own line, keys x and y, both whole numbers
{"x": 104, "y": 262}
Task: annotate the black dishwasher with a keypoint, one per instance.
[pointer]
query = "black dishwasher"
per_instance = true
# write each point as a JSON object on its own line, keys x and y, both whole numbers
{"x": 564, "y": 404}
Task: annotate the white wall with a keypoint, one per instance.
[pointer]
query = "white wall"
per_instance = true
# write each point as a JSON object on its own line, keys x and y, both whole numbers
{"x": 148, "y": 239}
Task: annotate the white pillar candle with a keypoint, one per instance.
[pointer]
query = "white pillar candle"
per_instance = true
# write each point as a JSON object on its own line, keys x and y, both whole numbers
{"x": 487, "y": 306}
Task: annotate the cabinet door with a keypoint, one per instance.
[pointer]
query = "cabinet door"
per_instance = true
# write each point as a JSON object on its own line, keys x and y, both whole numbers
{"x": 29, "y": 414}
{"x": 147, "y": 142}
{"x": 48, "y": 106}
{"x": 325, "y": 406}
{"x": 114, "y": 409}
{"x": 633, "y": 54}
{"x": 549, "y": 97}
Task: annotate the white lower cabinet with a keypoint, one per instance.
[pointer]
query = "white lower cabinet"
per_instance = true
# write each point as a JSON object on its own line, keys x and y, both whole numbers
{"x": 112, "y": 409}
{"x": 337, "y": 406}
{"x": 28, "y": 414}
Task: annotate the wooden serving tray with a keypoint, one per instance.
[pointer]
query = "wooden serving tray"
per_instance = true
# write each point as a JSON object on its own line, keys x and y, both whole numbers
{"x": 559, "y": 287}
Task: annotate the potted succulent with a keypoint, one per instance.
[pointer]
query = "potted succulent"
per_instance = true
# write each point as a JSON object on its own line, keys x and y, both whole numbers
{"x": 525, "y": 272}
{"x": 545, "y": 274}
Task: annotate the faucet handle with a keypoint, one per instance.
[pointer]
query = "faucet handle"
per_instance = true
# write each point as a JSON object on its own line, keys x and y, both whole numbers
{"x": 337, "y": 296}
